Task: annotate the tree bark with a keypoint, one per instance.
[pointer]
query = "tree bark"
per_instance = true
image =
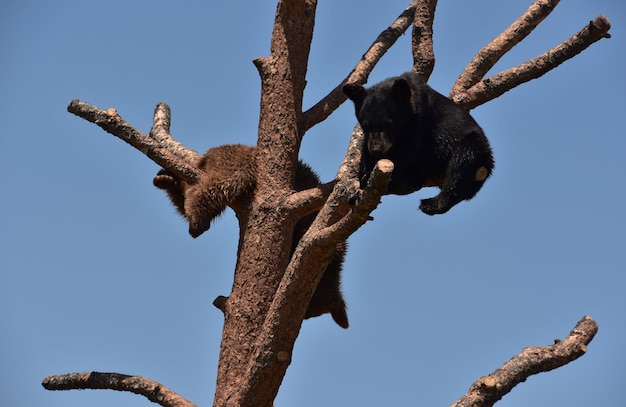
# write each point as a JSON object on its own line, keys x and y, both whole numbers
{"x": 422, "y": 39}
{"x": 487, "y": 390}
{"x": 266, "y": 232}
{"x": 150, "y": 389}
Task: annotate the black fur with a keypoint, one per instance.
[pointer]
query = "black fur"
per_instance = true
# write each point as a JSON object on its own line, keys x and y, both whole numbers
{"x": 431, "y": 140}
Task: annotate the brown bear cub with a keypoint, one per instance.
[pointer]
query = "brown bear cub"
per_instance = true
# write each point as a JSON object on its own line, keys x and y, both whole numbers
{"x": 230, "y": 177}
{"x": 431, "y": 140}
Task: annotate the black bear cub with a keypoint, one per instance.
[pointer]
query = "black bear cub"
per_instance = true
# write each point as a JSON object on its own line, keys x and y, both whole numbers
{"x": 229, "y": 179}
{"x": 431, "y": 140}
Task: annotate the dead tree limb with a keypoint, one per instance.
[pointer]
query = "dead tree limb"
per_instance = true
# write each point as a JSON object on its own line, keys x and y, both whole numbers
{"x": 487, "y": 390}
{"x": 422, "y": 39}
{"x": 487, "y": 57}
{"x": 494, "y": 86}
{"x": 329, "y": 103}
{"x": 169, "y": 154}
{"x": 160, "y": 132}
{"x": 150, "y": 389}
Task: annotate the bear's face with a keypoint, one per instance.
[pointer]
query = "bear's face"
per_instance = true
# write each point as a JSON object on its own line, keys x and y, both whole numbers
{"x": 383, "y": 111}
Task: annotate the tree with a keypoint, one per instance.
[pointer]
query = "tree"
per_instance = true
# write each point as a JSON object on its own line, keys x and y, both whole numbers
{"x": 273, "y": 288}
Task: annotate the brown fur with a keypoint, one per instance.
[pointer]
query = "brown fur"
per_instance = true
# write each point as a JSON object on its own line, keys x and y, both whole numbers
{"x": 230, "y": 176}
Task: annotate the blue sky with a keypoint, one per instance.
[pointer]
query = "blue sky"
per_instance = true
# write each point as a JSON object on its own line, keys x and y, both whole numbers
{"x": 97, "y": 272}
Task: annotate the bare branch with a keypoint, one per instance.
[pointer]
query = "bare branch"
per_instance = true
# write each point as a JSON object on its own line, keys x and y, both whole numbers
{"x": 161, "y": 123}
{"x": 369, "y": 200}
{"x": 487, "y": 57}
{"x": 304, "y": 202}
{"x": 333, "y": 225}
{"x": 111, "y": 122}
{"x": 487, "y": 390}
{"x": 161, "y": 133}
{"x": 381, "y": 44}
{"x": 329, "y": 103}
{"x": 422, "y": 39}
{"x": 150, "y": 389}
{"x": 496, "y": 85}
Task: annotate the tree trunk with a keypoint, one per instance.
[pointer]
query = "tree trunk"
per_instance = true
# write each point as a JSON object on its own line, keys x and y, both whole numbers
{"x": 267, "y": 230}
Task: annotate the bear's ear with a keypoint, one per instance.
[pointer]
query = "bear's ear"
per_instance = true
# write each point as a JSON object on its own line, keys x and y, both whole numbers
{"x": 401, "y": 90}
{"x": 354, "y": 92}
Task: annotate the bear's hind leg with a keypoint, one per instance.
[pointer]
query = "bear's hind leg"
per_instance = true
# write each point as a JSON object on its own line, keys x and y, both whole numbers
{"x": 467, "y": 171}
{"x": 328, "y": 296}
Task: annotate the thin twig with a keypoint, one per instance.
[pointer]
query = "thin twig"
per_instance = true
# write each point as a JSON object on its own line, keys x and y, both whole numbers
{"x": 150, "y": 389}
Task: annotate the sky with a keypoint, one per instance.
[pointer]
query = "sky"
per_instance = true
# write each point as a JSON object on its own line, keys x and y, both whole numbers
{"x": 97, "y": 271}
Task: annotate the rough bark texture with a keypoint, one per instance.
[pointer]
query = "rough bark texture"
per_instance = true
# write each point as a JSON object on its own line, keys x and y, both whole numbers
{"x": 271, "y": 288}
{"x": 265, "y": 239}
{"x": 322, "y": 109}
{"x": 487, "y": 57}
{"x": 422, "y": 39}
{"x": 487, "y": 390}
{"x": 470, "y": 91}
{"x": 152, "y": 390}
